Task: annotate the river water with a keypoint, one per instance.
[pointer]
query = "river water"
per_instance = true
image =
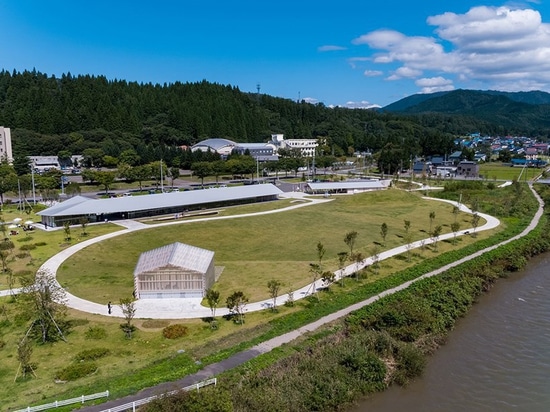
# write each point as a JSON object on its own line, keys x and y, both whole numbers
{"x": 496, "y": 359}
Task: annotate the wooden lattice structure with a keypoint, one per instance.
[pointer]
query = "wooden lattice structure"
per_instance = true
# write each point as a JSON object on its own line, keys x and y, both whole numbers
{"x": 174, "y": 271}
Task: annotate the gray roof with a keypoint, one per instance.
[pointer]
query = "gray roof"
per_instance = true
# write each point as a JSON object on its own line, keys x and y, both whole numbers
{"x": 254, "y": 145}
{"x": 78, "y": 205}
{"x": 349, "y": 185}
{"x": 215, "y": 143}
{"x": 176, "y": 254}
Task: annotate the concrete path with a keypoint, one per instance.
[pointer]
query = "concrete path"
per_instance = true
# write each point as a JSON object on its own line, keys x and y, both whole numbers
{"x": 192, "y": 308}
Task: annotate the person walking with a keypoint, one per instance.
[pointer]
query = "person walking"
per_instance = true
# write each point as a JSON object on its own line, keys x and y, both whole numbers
{"x": 109, "y": 307}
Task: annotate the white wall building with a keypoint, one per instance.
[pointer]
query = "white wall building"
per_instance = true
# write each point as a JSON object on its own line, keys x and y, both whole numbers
{"x": 306, "y": 147}
{"x": 5, "y": 144}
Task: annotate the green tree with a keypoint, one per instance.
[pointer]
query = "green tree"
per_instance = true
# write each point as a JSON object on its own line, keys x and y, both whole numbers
{"x": 384, "y": 232}
{"x": 174, "y": 173}
{"x": 358, "y": 259}
{"x": 455, "y": 227}
{"x": 407, "y": 225}
{"x": 128, "y": 307}
{"x": 8, "y": 179}
{"x": 432, "y": 218}
{"x": 129, "y": 156}
{"x": 67, "y": 230}
{"x": 44, "y": 302}
{"x": 475, "y": 223}
{"x": 105, "y": 179}
{"x": 342, "y": 258}
{"x": 140, "y": 174}
{"x": 435, "y": 236}
{"x": 84, "y": 224}
{"x": 213, "y": 299}
{"x": 349, "y": 240}
{"x": 24, "y": 354}
{"x": 201, "y": 170}
{"x": 274, "y": 286}
{"x": 236, "y": 303}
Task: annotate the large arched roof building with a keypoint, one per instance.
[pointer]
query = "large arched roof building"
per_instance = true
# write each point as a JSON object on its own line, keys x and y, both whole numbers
{"x": 222, "y": 146}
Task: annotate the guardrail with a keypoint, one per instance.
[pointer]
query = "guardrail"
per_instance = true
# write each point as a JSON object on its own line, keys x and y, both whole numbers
{"x": 132, "y": 405}
{"x": 57, "y": 404}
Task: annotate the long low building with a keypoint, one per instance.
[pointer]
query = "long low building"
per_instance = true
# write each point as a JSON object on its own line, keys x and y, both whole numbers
{"x": 75, "y": 209}
{"x": 348, "y": 186}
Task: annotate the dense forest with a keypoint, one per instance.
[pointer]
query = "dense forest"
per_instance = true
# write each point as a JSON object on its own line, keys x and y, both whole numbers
{"x": 73, "y": 114}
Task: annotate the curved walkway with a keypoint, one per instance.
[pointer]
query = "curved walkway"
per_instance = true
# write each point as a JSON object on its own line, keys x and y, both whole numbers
{"x": 192, "y": 308}
{"x": 264, "y": 347}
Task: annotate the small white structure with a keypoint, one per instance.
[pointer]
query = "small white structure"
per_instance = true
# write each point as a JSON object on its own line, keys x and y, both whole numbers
{"x": 174, "y": 271}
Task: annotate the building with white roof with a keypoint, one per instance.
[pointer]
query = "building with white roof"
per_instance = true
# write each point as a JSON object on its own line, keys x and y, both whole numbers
{"x": 131, "y": 207}
{"x": 223, "y": 147}
{"x": 347, "y": 187}
{"x": 174, "y": 271}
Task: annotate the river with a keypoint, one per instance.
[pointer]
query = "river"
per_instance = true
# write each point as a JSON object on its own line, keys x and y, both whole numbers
{"x": 496, "y": 359}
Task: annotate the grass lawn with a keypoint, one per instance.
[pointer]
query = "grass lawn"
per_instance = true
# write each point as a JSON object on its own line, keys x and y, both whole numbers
{"x": 253, "y": 250}
{"x": 32, "y": 248}
{"x": 498, "y": 171}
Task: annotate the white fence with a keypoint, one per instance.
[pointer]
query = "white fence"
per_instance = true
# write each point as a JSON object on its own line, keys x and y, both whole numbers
{"x": 57, "y": 404}
{"x": 132, "y": 405}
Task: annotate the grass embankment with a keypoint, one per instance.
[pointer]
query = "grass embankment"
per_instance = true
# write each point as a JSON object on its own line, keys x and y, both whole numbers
{"x": 150, "y": 358}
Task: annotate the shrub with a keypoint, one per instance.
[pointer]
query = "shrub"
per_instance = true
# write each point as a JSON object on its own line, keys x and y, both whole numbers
{"x": 2, "y": 343}
{"x": 27, "y": 247}
{"x": 6, "y": 245}
{"x": 22, "y": 255}
{"x": 95, "y": 332}
{"x": 174, "y": 331}
{"x": 76, "y": 371}
{"x": 40, "y": 244}
{"x": 92, "y": 354}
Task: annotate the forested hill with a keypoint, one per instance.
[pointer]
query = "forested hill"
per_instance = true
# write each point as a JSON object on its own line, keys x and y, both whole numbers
{"x": 517, "y": 111}
{"x": 48, "y": 114}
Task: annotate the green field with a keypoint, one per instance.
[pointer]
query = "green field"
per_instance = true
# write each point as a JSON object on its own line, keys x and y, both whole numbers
{"x": 252, "y": 251}
{"x": 499, "y": 171}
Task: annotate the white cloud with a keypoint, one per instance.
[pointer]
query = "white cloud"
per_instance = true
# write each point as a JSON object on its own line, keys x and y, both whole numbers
{"x": 373, "y": 73}
{"x": 363, "y": 104}
{"x": 330, "y": 47}
{"x": 502, "y": 48}
{"x": 405, "y": 72}
{"x": 434, "y": 84}
{"x": 310, "y": 100}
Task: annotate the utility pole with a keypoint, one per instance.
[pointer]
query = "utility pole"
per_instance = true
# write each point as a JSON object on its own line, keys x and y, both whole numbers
{"x": 33, "y": 192}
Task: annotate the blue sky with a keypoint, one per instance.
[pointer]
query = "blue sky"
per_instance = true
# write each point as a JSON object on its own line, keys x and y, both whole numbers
{"x": 354, "y": 53}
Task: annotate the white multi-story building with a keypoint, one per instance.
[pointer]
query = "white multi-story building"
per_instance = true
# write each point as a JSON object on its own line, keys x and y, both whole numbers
{"x": 306, "y": 147}
{"x": 5, "y": 144}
